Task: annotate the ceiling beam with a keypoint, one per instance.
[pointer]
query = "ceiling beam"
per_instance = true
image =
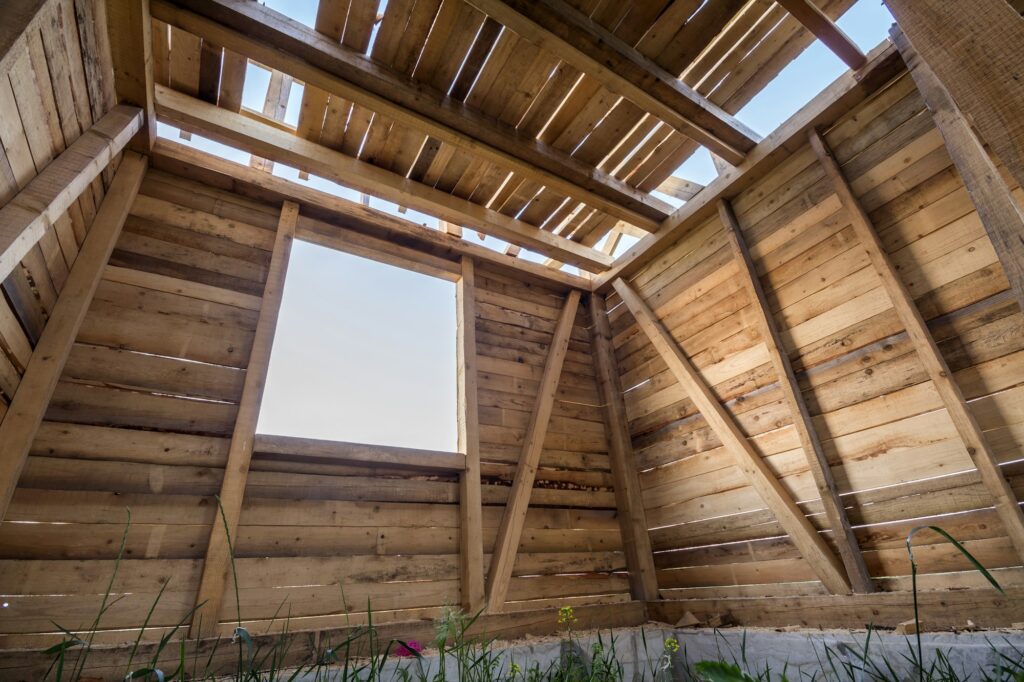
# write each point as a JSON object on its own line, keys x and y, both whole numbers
{"x": 285, "y": 45}
{"x": 267, "y": 142}
{"x": 346, "y": 216}
{"x": 825, "y": 30}
{"x": 571, "y": 36}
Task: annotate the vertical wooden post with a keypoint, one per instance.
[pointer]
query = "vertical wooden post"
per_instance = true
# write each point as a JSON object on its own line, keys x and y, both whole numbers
{"x": 807, "y": 540}
{"x": 511, "y": 529}
{"x": 998, "y": 210}
{"x": 131, "y": 46}
{"x": 218, "y": 557}
{"x": 471, "y": 543}
{"x": 26, "y": 410}
{"x": 643, "y": 579}
{"x": 976, "y": 49}
{"x": 853, "y": 560}
{"x": 927, "y": 350}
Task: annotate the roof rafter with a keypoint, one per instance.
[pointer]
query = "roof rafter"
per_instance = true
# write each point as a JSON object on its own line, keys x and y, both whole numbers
{"x": 573, "y": 37}
{"x": 825, "y": 30}
{"x": 283, "y": 44}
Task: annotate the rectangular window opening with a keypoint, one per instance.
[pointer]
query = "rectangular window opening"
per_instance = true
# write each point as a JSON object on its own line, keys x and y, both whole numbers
{"x": 364, "y": 352}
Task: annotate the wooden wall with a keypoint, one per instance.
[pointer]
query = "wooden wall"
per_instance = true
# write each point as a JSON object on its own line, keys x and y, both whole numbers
{"x": 57, "y": 81}
{"x": 141, "y": 417}
{"x": 572, "y": 527}
{"x": 141, "y": 421}
{"x": 893, "y": 450}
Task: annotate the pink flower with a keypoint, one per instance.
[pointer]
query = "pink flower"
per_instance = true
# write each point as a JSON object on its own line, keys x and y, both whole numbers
{"x": 409, "y": 649}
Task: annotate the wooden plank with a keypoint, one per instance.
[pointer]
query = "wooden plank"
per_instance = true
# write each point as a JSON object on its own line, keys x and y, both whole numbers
{"x": 636, "y": 541}
{"x": 980, "y": 63}
{"x": 277, "y": 145}
{"x": 837, "y": 99}
{"x": 812, "y": 547}
{"x": 999, "y": 211}
{"x": 570, "y": 35}
{"x": 471, "y": 557}
{"x": 131, "y": 47}
{"x": 842, "y": 533}
{"x": 967, "y": 427}
{"x": 25, "y": 218}
{"x": 288, "y": 448}
{"x": 236, "y": 472}
{"x": 305, "y": 54}
{"x": 825, "y": 30}
{"x": 514, "y": 517}
{"x": 44, "y": 368}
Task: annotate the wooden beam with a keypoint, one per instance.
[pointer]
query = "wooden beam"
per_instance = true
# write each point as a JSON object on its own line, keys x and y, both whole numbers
{"x": 834, "y": 101}
{"x": 643, "y": 578}
{"x": 679, "y": 188}
{"x": 825, "y": 30}
{"x": 210, "y": 595}
{"x": 510, "y": 531}
{"x": 817, "y": 461}
{"x": 288, "y": 448}
{"x": 25, "y": 413}
{"x": 807, "y": 540}
{"x": 277, "y": 145}
{"x": 571, "y": 36}
{"x": 344, "y": 214}
{"x": 976, "y": 50}
{"x": 471, "y": 543}
{"x": 27, "y": 217}
{"x": 131, "y": 47}
{"x": 999, "y": 211}
{"x": 283, "y": 44}
{"x": 928, "y": 351}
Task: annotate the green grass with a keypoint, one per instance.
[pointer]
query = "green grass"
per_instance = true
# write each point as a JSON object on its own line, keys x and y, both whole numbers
{"x": 362, "y": 656}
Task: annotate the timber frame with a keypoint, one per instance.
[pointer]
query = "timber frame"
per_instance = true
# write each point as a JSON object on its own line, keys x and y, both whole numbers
{"x": 793, "y": 366}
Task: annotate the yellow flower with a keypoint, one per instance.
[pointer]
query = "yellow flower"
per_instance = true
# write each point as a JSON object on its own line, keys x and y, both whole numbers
{"x": 516, "y": 669}
{"x": 566, "y": 616}
{"x": 672, "y": 644}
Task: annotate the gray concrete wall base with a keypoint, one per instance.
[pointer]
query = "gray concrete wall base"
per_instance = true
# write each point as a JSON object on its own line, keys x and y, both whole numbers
{"x": 801, "y": 655}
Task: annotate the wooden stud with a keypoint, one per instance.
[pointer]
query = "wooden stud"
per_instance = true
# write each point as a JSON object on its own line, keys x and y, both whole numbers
{"x": 512, "y": 521}
{"x": 976, "y": 50}
{"x": 471, "y": 550}
{"x": 811, "y": 545}
{"x": 285, "y": 147}
{"x": 825, "y": 30}
{"x": 26, "y": 410}
{"x": 999, "y": 211}
{"x": 571, "y": 36}
{"x": 643, "y": 579}
{"x": 218, "y": 559}
{"x": 842, "y": 533}
{"x": 131, "y": 45}
{"x": 928, "y": 351}
{"x": 307, "y": 55}
{"x": 26, "y": 218}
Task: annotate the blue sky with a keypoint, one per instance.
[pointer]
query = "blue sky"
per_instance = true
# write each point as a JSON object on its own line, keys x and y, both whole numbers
{"x": 365, "y": 352}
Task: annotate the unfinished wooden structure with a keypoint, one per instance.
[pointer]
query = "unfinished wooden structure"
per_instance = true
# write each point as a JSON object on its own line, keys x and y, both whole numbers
{"x": 744, "y": 413}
